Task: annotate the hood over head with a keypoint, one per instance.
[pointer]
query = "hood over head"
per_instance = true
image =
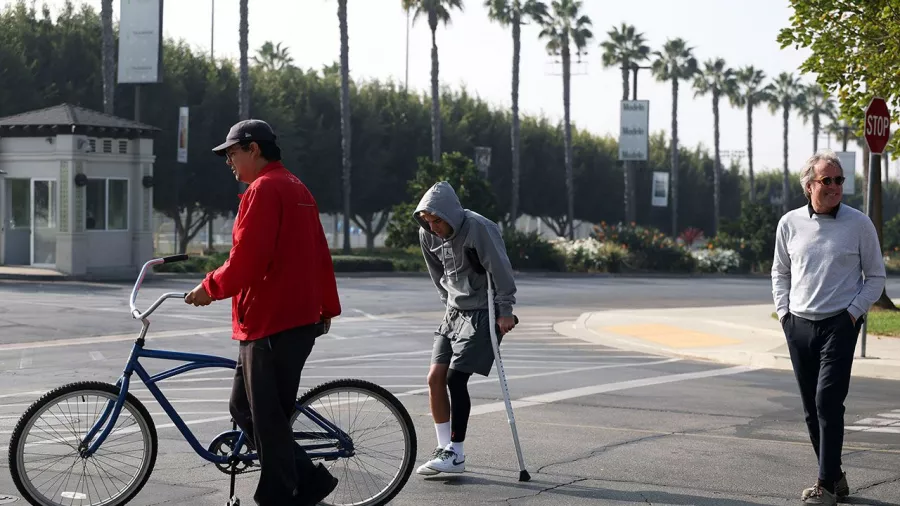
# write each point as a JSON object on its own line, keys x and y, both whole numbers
{"x": 441, "y": 201}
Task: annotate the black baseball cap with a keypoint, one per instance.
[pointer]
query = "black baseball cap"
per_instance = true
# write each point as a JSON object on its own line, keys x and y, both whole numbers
{"x": 247, "y": 130}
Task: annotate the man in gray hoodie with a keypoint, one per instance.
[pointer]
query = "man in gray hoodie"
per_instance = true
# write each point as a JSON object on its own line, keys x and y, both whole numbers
{"x": 461, "y": 248}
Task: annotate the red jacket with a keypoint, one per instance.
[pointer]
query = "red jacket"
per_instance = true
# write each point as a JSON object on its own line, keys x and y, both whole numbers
{"x": 279, "y": 273}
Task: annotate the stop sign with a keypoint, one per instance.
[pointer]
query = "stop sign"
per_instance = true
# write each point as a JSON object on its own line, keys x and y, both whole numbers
{"x": 878, "y": 125}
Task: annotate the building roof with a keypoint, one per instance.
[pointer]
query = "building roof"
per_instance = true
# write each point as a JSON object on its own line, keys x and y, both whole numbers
{"x": 66, "y": 118}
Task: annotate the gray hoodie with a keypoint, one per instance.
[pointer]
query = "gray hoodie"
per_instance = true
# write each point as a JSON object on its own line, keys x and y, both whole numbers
{"x": 457, "y": 264}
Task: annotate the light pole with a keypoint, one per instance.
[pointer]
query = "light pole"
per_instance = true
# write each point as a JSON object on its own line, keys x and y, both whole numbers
{"x": 634, "y": 69}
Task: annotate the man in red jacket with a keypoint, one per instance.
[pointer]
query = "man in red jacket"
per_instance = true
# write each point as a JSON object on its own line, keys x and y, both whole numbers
{"x": 280, "y": 278}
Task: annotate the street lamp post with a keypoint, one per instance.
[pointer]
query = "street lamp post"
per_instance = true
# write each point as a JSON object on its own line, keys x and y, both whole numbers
{"x": 634, "y": 69}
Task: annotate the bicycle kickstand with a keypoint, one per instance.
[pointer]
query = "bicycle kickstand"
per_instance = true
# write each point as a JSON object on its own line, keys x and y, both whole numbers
{"x": 232, "y": 499}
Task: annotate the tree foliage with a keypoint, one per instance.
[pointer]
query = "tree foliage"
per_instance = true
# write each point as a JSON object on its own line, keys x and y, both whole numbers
{"x": 854, "y": 51}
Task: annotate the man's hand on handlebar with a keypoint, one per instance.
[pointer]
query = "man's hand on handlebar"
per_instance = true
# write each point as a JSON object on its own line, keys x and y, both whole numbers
{"x": 198, "y": 296}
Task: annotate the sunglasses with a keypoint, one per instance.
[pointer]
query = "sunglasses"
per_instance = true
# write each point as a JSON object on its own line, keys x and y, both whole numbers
{"x": 839, "y": 180}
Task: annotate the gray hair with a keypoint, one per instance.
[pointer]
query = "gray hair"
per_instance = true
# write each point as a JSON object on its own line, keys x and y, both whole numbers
{"x": 809, "y": 167}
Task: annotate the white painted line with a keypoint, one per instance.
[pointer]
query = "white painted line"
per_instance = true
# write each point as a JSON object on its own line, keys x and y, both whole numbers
{"x": 861, "y": 428}
{"x": 550, "y": 373}
{"x": 96, "y": 355}
{"x": 877, "y": 421}
{"x": 607, "y": 387}
{"x": 112, "y": 338}
{"x": 889, "y": 415}
{"x": 25, "y": 361}
{"x": 22, "y": 394}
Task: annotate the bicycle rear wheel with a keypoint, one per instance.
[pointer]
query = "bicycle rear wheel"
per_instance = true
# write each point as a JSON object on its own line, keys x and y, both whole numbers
{"x": 383, "y": 435}
{"x": 44, "y": 458}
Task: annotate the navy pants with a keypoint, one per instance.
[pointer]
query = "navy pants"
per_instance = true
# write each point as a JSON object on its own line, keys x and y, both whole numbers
{"x": 822, "y": 356}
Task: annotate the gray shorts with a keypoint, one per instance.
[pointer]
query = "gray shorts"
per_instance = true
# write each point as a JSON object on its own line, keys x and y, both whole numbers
{"x": 463, "y": 340}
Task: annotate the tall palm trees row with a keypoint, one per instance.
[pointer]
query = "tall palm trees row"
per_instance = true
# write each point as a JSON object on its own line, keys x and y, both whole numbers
{"x": 566, "y": 29}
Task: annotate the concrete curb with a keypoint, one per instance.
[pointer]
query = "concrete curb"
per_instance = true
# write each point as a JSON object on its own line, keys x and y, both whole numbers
{"x": 862, "y": 367}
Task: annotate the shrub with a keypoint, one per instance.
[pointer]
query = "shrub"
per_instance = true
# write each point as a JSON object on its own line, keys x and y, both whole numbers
{"x": 591, "y": 255}
{"x": 717, "y": 260}
{"x": 531, "y": 251}
{"x": 472, "y": 188}
{"x": 348, "y": 263}
{"x": 649, "y": 248}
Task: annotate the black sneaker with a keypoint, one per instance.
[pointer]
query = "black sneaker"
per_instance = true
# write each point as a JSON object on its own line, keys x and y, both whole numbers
{"x": 322, "y": 484}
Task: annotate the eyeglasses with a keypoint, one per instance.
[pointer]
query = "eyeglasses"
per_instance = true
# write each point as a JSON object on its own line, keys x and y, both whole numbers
{"x": 839, "y": 180}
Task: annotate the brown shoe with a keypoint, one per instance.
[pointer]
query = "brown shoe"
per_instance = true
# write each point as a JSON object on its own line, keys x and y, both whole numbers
{"x": 818, "y": 495}
{"x": 841, "y": 488}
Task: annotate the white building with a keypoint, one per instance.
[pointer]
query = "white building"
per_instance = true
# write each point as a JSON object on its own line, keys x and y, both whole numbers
{"x": 76, "y": 191}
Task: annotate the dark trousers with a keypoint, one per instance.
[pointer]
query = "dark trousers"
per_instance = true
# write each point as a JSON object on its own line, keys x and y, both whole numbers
{"x": 263, "y": 397}
{"x": 822, "y": 356}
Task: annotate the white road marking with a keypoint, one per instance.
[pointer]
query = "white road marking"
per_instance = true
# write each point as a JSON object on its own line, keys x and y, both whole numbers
{"x": 96, "y": 355}
{"x": 111, "y": 338}
{"x": 607, "y": 387}
{"x": 25, "y": 361}
{"x": 863, "y": 428}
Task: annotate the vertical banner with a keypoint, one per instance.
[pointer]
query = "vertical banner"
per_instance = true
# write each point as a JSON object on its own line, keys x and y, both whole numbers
{"x": 483, "y": 159}
{"x": 660, "y": 196}
{"x": 848, "y": 163}
{"x": 140, "y": 41}
{"x": 183, "y": 134}
{"x": 634, "y": 135}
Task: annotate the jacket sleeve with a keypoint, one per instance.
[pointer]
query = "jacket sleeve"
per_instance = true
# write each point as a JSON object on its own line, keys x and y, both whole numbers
{"x": 254, "y": 245}
{"x": 435, "y": 266}
{"x": 331, "y": 303}
{"x": 491, "y": 252}
{"x": 781, "y": 271}
{"x": 872, "y": 266}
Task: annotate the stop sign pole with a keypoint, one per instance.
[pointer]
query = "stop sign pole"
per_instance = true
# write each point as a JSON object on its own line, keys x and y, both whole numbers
{"x": 877, "y": 133}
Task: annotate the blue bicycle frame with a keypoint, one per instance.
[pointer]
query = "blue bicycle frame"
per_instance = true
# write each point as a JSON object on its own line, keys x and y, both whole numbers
{"x": 337, "y": 443}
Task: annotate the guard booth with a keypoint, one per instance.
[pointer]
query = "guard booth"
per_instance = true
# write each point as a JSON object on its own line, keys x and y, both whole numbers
{"x": 76, "y": 191}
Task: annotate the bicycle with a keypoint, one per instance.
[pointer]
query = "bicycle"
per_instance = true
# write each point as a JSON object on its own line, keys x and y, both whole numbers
{"x": 97, "y": 422}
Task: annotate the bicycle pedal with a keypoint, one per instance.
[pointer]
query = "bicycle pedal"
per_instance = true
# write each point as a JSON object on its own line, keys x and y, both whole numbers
{"x": 234, "y": 501}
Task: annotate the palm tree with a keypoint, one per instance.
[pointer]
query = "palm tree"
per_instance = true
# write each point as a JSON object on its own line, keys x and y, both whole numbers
{"x": 244, "y": 84}
{"x": 436, "y": 11}
{"x": 626, "y": 48}
{"x": 273, "y": 57}
{"x": 108, "y": 51}
{"x": 513, "y": 13}
{"x": 787, "y": 93}
{"x": 345, "y": 117}
{"x": 674, "y": 63}
{"x": 749, "y": 93}
{"x": 816, "y": 103}
{"x": 842, "y": 131}
{"x": 716, "y": 80}
{"x": 564, "y": 26}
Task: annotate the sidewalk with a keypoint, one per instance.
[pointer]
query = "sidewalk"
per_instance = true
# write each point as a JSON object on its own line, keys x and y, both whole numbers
{"x": 738, "y": 335}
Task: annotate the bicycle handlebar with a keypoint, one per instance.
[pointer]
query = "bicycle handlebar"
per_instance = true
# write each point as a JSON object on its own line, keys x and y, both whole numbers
{"x": 135, "y": 312}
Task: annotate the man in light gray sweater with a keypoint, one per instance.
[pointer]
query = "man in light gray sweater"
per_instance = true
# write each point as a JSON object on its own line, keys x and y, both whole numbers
{"x": 827, "y": 272}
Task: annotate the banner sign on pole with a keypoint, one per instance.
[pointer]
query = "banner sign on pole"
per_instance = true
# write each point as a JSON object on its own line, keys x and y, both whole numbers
{"x": 660, "y": 196}
{"x": 183, "y": 134}
{"x": 634, "y": 135}
{"x": 140, "y": 41}
{"x": 848, "y": 163}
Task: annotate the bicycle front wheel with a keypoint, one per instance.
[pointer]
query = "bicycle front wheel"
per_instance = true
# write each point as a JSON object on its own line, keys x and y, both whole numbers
{"x": 44, "y": 458}
{"x": 382, "y": 434}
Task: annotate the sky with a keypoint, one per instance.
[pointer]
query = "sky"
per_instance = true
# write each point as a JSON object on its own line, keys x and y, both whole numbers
{"x": 477, "y": 53}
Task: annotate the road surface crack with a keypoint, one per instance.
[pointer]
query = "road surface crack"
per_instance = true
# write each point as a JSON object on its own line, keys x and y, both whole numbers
{"x": 603, "y": 449}
{"x": 547, "y": 489}
{"x": 879, "y": 483}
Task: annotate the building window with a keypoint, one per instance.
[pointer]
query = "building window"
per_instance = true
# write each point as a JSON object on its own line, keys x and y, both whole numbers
{"x": 106, "y": 204}
{"x": 93, "y": 144}
{"x": 123, "y": 147}
{"x": 107, "y": 145}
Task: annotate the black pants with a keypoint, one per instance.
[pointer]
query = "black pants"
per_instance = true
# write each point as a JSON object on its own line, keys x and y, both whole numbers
{"x": 822, "y": 356}
{"x": 263, "y": 397}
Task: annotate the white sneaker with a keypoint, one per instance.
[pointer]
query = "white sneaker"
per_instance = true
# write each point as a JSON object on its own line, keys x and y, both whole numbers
{"x": 447, "y": 461}
{"x": 424, "y": 470}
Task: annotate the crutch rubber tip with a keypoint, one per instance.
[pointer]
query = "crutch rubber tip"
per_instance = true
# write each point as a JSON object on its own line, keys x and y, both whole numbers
{"x": 524, "y": 476}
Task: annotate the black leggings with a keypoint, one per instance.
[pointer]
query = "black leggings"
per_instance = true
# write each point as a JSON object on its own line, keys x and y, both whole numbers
{"x": 460, "y": 405}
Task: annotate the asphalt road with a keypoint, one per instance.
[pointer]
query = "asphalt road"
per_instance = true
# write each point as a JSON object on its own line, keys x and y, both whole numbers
{"x": 598, "y": 425}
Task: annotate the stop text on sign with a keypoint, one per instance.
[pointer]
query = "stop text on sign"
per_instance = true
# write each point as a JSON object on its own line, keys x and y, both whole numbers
{"x": 877, "y": 125}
